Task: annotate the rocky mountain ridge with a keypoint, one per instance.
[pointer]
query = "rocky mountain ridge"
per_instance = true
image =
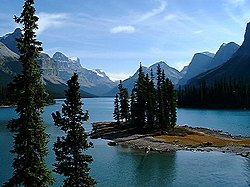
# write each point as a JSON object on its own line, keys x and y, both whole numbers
{"x": 171, "y": 73}
{"x": 56, "y": 70}
{"x": 236, "y": 68}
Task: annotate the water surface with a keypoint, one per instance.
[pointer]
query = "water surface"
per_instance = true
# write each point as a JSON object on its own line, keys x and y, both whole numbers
{"x": 120, "y": 166}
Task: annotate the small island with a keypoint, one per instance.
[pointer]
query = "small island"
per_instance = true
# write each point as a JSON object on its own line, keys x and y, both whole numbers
{"x": 179, "y": 138}
{"x": 147, "y": 120}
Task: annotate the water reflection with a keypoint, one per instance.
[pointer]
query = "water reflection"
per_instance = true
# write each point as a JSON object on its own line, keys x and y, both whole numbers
{"x": 156, "y": 169}
{"x": 247, "y": 168}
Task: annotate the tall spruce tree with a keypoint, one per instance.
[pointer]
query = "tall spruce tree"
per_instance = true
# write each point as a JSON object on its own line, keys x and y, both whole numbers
{"x": 172, "y": 104}
{"x": 70, "y": 160}
{"x": 150, "y": 101}
{"x": 133, "y": 106}
{"x": 28, "y": 94}
{"x": 140, "y": 98}
{"x": 165, "y": 101}
{"x": 116, "y": 113}
{"x": 124, "y": 102}
{"x": 159, "y": 108}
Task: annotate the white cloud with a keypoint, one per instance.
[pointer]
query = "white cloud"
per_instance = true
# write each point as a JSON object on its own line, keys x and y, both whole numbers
{"x": 155, "y": 11}
{"x": 123, "y": 29}
{"x": 48, "y": 20}
{"x": 198, "y": 32}
{"x": 177, "y": 17}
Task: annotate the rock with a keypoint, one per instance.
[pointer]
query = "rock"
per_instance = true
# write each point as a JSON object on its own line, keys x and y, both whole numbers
{"x": 112, "y": 143}
{"x": 244, "y": 154}
{"x": 207, "y": 144}
{"x": 176, "y": 141}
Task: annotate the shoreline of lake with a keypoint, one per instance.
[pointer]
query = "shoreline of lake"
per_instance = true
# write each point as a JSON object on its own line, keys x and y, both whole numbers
{"x": 168, "y": 143}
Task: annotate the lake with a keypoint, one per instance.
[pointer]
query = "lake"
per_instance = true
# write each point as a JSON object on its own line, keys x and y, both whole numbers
{"x": 119, "y": 166}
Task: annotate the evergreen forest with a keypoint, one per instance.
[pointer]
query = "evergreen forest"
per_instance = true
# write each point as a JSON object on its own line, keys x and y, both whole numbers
{"x": 149, "y": 107}
{"x": 221, "y": 94}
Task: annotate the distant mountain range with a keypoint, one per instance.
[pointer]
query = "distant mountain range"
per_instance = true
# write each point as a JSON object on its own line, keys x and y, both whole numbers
{"x": 93, "y": 81}
{"x": 197, "y": 65}
{"x": 235, "y": 68}
{"x": 171, "y": 73}
{"x": 202, "y": 62}
{"x": 56, "y": 70}
{"x": 231, "y": 60}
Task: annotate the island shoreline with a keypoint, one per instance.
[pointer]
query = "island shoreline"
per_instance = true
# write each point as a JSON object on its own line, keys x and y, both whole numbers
{"x": 147, "y": 142}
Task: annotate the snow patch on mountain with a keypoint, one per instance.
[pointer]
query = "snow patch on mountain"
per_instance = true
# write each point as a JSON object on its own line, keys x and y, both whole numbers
{"x": 98, "y": 72}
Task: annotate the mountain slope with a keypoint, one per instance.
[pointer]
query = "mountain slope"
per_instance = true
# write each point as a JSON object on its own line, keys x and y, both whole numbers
{"x": 236, "y": 67}
{"x": 225, "y": 52}
{"x": 9, "y": 65}
{"x": 171, "y": 73}
{"x": 9, "y": 40}
{"x": 92, "y": 81}
{"x": 198, "y": 65}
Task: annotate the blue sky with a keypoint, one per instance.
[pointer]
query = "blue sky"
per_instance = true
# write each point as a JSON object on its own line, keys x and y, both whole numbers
{"x": 115, "y": 35}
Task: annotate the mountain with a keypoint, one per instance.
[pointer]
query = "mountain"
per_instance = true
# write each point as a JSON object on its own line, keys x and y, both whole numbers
{"x": 236, "y": 67}
{"x": 56, "y": 70}
{"x": 171, "y": 73}
{"x": 184, "y": 70}
{"x": 9, "y": 40}
{"x": 9, "y": 65}
{"x": 225, "y": 52}
{"x": 198, "y": 65}
{"x": 206, "y": 61}
{"x": 92, "y": 81}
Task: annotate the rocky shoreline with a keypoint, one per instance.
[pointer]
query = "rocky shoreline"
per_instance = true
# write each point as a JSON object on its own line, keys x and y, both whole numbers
{"x": 142, "y": 142}
{"x": 150, "y": 143}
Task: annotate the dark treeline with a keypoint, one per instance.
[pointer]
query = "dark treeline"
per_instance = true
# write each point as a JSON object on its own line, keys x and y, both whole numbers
{"x": 150, "y": 106}
{"x": 222, "y": 94}
{"x": 3, "y": 96}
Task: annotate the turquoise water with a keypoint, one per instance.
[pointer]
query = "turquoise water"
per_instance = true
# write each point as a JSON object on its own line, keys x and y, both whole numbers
{"x": 120, "y": 166}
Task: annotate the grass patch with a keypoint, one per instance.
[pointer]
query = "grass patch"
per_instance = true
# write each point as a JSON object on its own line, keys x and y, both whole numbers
{"x": 180, "y": 135}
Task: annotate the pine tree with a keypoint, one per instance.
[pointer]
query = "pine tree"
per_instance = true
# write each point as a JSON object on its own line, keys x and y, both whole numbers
{"x": 140, "y": 98}
{"x": 159, "y": 108}
{"x": 124, "y": 102}
{"x": 71, "y": 162}
{"x": 133, "y": 106}
{"x": 172, "y": 104}
{"x": 150, "y": 101}
{"x": 165, "y": 101}
{"x": 28, "y": 94}
{"x": 116, "y": 113}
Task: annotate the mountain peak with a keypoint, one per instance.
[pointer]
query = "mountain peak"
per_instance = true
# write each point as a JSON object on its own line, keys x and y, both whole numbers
{"x": 17, "y": 32}
{"x": 9, "y": 40}
{"x": 207, "y": 54}
{"x": 60, "y": 56}
{"x": 161, "y": 63}
{"x": 247, "y": 36}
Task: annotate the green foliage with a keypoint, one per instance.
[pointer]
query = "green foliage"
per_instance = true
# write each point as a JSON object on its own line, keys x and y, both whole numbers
{"x": 150, "y": 98}
{"x": 28, "y": 94}
{"x": 70, "y": 160}
{"x": 139, "y": 101}
{"x": 3, "y": 96}
{"x": 116, "y": 113}
{"x": 152, "y": 107}
{"x": 124, "y": 102}
{"x": 225, "y": 93}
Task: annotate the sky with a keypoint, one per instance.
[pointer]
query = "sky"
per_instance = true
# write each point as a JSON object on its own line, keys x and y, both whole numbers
{"x": 116, "y": 35}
